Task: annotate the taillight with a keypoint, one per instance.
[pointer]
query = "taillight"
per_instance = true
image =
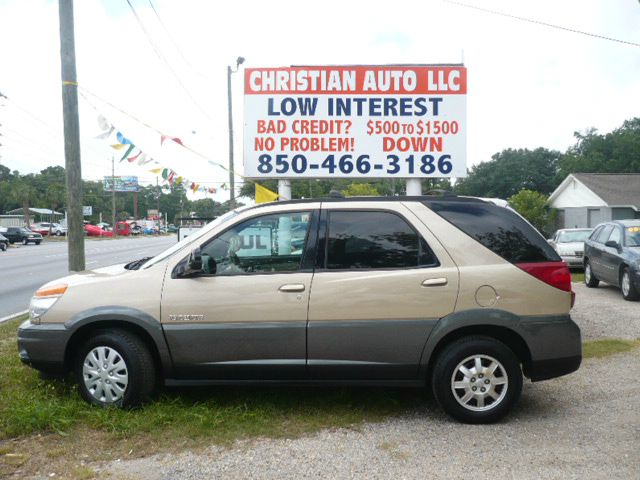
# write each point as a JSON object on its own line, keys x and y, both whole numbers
{"x": 556, "y": 274}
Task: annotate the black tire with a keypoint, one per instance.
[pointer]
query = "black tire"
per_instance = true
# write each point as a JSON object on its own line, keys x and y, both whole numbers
{"x": 630, "y": 292}
{"x": 590, "y": 279}
{"x": 37, "y": 242}
{"x": 3, "y": 247}
{"x": 490, "y": 351}
{"x": 138, "y": 362}
{"x": 25, "y": 241}
{"x": 58, "y": 233}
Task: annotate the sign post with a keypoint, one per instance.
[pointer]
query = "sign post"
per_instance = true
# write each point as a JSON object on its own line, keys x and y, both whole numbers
{"x": 360, "y": 122}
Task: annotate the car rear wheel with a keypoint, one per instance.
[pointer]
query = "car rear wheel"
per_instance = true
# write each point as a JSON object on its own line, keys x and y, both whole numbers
{"x": 37, "y": 242}
{"x": 24, "y": 241}
{"x": 3, "y": 247}
{"x": 629, "y": 291}
{"x": 115, "y": 368}
{"x": 477, "y": 379}
{"x": 590, "y": 279}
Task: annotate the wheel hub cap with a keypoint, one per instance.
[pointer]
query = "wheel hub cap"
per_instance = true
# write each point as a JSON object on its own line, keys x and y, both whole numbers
{"x": 105, "y": 374}
{"x": 479, "y": 383}
{"x": 625, "y": 284}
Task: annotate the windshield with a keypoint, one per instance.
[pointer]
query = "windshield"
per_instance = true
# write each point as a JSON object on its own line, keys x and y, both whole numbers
{"x": 193, "y": 237}
{"x": 570, "y": 236}
{"x": 632, "y": 236}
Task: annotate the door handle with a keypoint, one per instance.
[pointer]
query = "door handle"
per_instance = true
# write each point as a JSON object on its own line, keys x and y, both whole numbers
{"x": 292, "y": 287}
{"x": 434, "y": 282}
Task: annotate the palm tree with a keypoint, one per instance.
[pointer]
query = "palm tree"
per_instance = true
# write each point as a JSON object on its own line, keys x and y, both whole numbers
{"x": 24, "y": 193}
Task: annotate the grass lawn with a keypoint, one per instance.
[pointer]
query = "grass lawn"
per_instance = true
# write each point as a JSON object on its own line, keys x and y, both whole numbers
{"x": 577, "y": 277}
{"x": 45, "y": 427}
{"x": 45, "y": 424}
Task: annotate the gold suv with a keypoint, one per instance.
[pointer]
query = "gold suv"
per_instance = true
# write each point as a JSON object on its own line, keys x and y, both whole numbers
{"x": 455, "y": 292}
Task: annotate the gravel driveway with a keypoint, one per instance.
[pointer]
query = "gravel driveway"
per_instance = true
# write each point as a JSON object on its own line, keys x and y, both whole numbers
{"x": 603, "y": 313}
{"x": 585, "y": 425}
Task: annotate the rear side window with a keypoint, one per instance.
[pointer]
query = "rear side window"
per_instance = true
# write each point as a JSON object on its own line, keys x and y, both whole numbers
{"x": 368, "y": 239}
{"x": 499, "y": 229}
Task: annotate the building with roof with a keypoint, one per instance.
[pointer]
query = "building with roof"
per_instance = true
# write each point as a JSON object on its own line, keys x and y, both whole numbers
{"x": 587, "y": 199}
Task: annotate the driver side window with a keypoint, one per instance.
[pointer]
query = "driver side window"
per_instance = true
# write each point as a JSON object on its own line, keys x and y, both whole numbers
{"x": 269, "y": 243}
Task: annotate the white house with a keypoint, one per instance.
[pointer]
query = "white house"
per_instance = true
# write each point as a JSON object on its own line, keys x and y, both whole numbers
{"x": 587, "y": 199}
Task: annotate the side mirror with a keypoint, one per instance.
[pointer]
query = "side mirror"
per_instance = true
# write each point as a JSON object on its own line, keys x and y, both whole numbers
{"x": 195, "y": 260}
{"x": 612, "y": 244}
{"x": 193, "y": 265}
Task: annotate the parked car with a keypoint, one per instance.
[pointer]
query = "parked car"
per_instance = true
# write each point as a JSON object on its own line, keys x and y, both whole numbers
{"x": 97, "y": 231}
{"x": 450, "y": 292}
{"x": 105, "y": 226}
{"x": 43, "y": 228}
{"x": 4, "y": 243}
{"x": 23, "y": 235}
{"x": 569, "y": 243}
{"x": 171, "y": 228}
{"x": 150, "y": 230}
{"x": 612, "y": 255}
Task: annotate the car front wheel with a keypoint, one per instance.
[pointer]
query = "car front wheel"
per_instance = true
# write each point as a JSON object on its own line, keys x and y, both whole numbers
{"x": 115, "y": 368}
{"x": 629, "y": 291}
{"x": 24, "y": 241}
{"x": 590, "y": 279}
{"x": 477, "y": 379}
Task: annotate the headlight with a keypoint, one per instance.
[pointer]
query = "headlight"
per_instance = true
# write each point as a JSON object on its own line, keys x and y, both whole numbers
{"x": 43, "y": 300}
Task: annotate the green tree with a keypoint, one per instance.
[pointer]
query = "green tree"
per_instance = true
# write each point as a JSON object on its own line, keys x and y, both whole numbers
{"x": 510, "y": 171}
{"x": 360, "y": 190}
{"x": 207, "y": 208}
{"x": 25, "y": 194}
{"x": 533, "y": 206}
{"x": 614, "y": 152}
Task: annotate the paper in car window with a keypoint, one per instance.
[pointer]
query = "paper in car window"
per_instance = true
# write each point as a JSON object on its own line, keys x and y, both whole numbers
{"x": 256, "y": 242}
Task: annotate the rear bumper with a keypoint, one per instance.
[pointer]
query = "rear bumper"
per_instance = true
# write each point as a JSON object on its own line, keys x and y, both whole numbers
{"x": 43, "y": 346}
{"x": 555, "y": 345}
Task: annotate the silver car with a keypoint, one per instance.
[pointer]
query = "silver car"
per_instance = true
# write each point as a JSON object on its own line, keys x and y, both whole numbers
{"x": 569, "y": 243}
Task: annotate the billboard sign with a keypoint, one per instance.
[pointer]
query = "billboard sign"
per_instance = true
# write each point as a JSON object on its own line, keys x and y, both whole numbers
{"x": 361, "y": 121}
{"x": 122, "y": 184}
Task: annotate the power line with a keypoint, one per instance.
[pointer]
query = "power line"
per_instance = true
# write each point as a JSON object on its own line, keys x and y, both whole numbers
{"x": 165, "y": 61}
{"x": 175, "y": 44}
{"x": 538, "y": 22}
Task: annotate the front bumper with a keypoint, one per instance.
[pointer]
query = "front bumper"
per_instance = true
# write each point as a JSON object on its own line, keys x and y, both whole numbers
{"x": 43, "y": 346}
{"x": 555, "y": 345}
{"x": 573, "y": 261}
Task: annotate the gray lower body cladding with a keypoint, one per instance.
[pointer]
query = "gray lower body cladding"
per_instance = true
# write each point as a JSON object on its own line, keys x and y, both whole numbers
{"x": 351, "y": 351}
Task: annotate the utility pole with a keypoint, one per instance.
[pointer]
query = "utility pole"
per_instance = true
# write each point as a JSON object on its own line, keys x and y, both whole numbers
{"x": 232, "y": 183}
{"x": 113, "y": 195}
{"x": 73, "y": 170}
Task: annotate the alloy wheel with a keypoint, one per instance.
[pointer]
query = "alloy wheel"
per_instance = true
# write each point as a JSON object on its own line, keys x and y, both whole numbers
{"x": 479, "y": 383}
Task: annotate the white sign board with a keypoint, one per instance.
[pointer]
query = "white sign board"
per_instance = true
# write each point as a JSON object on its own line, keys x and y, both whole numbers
{"x": 365, "y": 121}
{"x": 87, "y": 211}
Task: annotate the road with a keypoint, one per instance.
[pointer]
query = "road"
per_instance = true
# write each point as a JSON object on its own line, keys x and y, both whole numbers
{"x": 25, "y": 268}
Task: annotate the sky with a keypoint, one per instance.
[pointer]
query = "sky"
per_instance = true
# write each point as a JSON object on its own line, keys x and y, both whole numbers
{"x": 529, "y": 85}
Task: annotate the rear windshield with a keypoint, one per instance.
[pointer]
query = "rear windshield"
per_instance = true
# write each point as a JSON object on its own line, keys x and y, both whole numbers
{"x": 499, "y": 229}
